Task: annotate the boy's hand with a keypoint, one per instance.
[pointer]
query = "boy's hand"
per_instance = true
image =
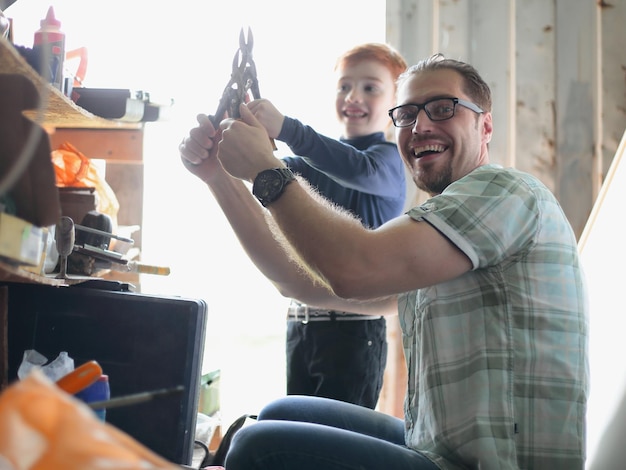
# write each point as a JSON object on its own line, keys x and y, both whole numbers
{"x": 268, "y": 115}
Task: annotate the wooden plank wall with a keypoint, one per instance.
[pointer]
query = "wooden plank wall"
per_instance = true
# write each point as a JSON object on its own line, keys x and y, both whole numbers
{"x": 557, "y": 69}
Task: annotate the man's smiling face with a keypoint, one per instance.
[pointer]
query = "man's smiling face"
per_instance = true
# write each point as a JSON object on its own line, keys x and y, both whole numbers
{"x": 438, "y": 153}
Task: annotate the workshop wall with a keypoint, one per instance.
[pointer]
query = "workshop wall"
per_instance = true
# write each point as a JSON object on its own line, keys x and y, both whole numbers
{"x": 556, "y": 69}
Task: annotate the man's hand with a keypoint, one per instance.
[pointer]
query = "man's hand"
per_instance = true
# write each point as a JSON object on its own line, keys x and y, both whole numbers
{"x": 198, "y": 150}
{"x": 268, "y": 115}
{"x": 245, "y": 148}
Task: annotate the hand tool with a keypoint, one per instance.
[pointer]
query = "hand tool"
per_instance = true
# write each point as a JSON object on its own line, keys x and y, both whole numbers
{"x": 243, "y": 78}
{"x": 142, "y": 268}
{"x": 135, "y": 398}
{"x": 68, "y": 242}
{"x": 64, "y": 236}
{"x": 84, "y": 228}
{"x": 80, "y": 378}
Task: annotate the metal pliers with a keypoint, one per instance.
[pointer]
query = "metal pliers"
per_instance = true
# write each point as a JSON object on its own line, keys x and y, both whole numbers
{"x": 242, "y": 79}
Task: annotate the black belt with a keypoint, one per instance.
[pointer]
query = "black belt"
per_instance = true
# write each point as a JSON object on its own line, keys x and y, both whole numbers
{"x": 304, "y": 313}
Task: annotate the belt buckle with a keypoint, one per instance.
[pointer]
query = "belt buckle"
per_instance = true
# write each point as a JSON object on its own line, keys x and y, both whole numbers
{"x": 296, "y": 313}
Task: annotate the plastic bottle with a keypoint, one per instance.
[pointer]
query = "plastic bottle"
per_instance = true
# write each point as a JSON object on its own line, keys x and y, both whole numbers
{"x": 50, "y": 45}
{"x": 96, "y": 392}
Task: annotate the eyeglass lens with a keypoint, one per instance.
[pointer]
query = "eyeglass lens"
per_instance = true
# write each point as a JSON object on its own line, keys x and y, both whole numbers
{"x": 436, "y": 110}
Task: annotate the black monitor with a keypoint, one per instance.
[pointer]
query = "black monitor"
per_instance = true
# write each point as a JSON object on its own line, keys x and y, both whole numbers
{"x": 142, "y": 342}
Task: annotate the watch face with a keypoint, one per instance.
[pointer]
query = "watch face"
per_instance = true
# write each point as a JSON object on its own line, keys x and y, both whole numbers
{"x": 268, "y": 184}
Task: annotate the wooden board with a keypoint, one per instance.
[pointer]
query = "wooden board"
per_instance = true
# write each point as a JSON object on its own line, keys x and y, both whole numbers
{"x": 603, "y": 257}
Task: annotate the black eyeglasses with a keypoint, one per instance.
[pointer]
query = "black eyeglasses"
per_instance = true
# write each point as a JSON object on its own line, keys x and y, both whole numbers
{"x": 438, "y": 109}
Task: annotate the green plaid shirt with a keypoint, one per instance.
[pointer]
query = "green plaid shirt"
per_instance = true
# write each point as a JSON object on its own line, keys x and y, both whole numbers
{"x": 497, "y": 358}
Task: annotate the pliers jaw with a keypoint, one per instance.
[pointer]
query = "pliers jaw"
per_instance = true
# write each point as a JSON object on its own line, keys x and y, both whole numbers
{"x": 243, "y": 78}
{"x": 247, "y": 66}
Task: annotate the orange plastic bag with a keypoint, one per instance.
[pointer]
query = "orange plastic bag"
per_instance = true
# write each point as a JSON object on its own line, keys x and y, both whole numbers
{"x": 44, "y": 428}
{"x": 73, "y": 169}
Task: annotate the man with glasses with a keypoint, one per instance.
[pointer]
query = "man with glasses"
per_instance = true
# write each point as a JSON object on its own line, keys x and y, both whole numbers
{"x": 486, "y": 280}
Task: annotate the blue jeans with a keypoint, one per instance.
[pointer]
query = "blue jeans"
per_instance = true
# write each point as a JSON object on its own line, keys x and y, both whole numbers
{"x": 313, "y": 433}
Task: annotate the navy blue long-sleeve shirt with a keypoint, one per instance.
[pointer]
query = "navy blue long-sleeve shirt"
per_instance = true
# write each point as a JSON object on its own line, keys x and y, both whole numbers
{"x": 364, "y": 175}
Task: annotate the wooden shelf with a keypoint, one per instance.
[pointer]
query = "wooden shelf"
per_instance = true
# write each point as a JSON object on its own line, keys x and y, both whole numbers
{"x": 112, "y": 145}
{"x": 11, "y": 273}
{"x": 118, "y": 142}
{"x": 59, "y": 111}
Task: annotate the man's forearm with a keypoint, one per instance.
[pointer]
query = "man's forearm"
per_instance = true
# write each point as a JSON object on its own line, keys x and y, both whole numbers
{"x": 249, "y": 222}
{"x": 252, "y": 226}
{"x": 321, "y": 233}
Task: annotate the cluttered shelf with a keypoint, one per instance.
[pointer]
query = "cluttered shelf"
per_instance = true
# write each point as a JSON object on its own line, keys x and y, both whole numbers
{"x": 12, "y": 273}
{"x": 59, "y": 112}
{"x": 116, "y": 141}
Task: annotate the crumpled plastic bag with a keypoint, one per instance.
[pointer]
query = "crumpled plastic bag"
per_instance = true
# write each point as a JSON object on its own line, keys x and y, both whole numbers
{"x": 59, "y": 367}
{"x": 73, "y": 169}
{"x": 44, "y": 428}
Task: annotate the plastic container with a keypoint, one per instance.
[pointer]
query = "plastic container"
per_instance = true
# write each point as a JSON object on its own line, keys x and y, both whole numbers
{"x": 209, "y": 400}
{"x": 97, "y": 391}
{"x": 49, "y": 46}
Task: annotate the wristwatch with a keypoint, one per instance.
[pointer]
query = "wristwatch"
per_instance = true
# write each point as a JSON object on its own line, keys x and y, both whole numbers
{"x": 270, "y": 184}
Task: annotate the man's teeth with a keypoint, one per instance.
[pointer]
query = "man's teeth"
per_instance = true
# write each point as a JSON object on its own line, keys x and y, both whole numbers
{"x": 420, "y": 151}
{"x": 354, "y": 114}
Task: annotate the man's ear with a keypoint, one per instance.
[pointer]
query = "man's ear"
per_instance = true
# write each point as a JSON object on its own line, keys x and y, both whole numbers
{"x": 487, "y": 127}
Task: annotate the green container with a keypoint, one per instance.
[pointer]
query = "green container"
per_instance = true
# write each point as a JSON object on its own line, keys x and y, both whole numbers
{"x": 209, "y": 400}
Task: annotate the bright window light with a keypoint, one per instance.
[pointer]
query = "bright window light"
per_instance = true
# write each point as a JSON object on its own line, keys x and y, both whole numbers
{"x": 184, "y": 51}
